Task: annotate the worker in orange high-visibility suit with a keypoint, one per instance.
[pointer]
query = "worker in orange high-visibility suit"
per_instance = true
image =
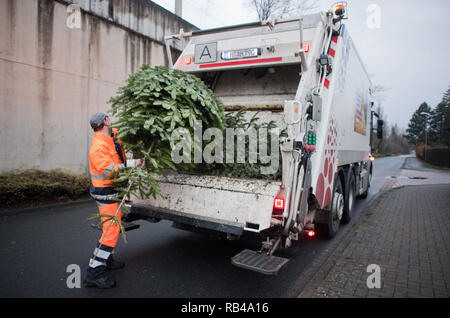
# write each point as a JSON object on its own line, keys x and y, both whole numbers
{"x": 106, "y": 157}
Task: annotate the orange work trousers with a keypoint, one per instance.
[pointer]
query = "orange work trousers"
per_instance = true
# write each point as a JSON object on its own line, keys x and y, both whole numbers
{"x": 110, "y": 230}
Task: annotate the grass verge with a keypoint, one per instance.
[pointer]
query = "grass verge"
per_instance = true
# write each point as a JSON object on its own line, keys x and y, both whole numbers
{"x": 35, "y": 187}
{"x": 382, "y": 155}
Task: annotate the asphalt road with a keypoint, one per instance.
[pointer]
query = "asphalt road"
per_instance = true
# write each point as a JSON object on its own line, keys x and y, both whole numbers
{"x": 37, "y": 247}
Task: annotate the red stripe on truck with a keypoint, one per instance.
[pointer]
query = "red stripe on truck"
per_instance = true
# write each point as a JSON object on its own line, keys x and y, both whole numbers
{"x": 332, "y": 52}
{"x": 243, "y": 62}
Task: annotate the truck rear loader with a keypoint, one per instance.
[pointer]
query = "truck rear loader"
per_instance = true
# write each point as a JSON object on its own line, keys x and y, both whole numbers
{"x": 306, "y": 75}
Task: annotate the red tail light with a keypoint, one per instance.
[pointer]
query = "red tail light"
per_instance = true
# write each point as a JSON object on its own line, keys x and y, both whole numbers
{"x": 183, "y": 61}
{"x": 311, "y": 233}
{"x": 306, "y": 47}
{"x": 279, "y": 203}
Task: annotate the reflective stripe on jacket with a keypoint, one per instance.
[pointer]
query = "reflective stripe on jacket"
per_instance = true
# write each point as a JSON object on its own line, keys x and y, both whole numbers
{"x": 103, "y": 161}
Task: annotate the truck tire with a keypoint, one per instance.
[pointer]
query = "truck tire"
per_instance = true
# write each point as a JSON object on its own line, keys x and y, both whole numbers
{"x": 366, "y": 193}
{"x": 349, "y": 200}
{"x": 331, "y": 228}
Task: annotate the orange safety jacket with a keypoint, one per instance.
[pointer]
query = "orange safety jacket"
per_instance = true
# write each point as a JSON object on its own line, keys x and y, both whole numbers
{"x": 104, "y": 159}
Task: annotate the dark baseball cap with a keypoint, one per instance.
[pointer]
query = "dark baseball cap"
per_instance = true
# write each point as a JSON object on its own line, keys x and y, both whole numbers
{"x": 97, "y": 119}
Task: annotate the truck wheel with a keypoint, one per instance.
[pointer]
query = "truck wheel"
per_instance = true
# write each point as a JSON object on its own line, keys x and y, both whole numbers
{"x": 337, "y": 209}
{"x": 366, "y": 193}
{"x": 349, "y": 201}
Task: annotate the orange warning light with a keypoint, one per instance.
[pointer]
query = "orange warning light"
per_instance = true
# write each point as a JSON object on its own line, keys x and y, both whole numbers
{"x": 339, "y": 9}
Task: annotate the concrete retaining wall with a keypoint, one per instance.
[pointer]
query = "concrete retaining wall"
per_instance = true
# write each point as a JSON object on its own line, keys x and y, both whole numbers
{"x": 53, "y": 78}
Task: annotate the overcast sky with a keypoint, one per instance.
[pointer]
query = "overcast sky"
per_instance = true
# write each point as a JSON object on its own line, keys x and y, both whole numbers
{"x": 409, "y": 52}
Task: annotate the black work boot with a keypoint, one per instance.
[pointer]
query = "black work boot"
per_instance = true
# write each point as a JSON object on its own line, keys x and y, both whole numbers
{"x": 102, "y": 282}
{"x": 112, "y": 264}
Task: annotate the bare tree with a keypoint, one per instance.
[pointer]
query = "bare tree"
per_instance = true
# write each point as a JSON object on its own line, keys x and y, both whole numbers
{"x": 276, "y": 9}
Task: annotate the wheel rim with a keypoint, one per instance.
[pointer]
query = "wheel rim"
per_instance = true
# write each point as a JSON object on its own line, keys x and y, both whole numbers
{"x": 351, "y": 200}
{"x": 338, "y": 206}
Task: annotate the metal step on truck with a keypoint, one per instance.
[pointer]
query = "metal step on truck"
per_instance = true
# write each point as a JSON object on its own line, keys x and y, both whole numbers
{"x": 306, "y": 75}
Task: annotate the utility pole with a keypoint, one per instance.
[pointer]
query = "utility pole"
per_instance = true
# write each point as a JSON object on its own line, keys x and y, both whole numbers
{"x": 178, "y": 8}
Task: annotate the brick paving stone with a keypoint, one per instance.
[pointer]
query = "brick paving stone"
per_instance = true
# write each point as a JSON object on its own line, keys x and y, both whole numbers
{"x": 406, "y": 233}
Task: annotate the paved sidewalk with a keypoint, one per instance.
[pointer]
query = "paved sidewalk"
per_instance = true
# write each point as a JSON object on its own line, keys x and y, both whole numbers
{"x": 406, "y": 232}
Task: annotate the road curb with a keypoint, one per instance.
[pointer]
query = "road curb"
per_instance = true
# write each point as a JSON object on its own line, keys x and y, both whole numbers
{"x": 320, "y": 264}
{"x": 36, "y": 209}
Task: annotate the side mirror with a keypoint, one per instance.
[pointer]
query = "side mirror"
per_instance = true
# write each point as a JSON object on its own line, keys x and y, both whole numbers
{"x": 380, "y": 124}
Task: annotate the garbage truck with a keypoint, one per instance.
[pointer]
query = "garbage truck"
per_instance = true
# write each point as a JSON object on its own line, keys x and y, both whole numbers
{"x": 306, "y": 75}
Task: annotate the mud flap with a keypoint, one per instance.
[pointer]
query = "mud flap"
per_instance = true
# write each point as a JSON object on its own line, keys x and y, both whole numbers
{"x": 259, "y": 262}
